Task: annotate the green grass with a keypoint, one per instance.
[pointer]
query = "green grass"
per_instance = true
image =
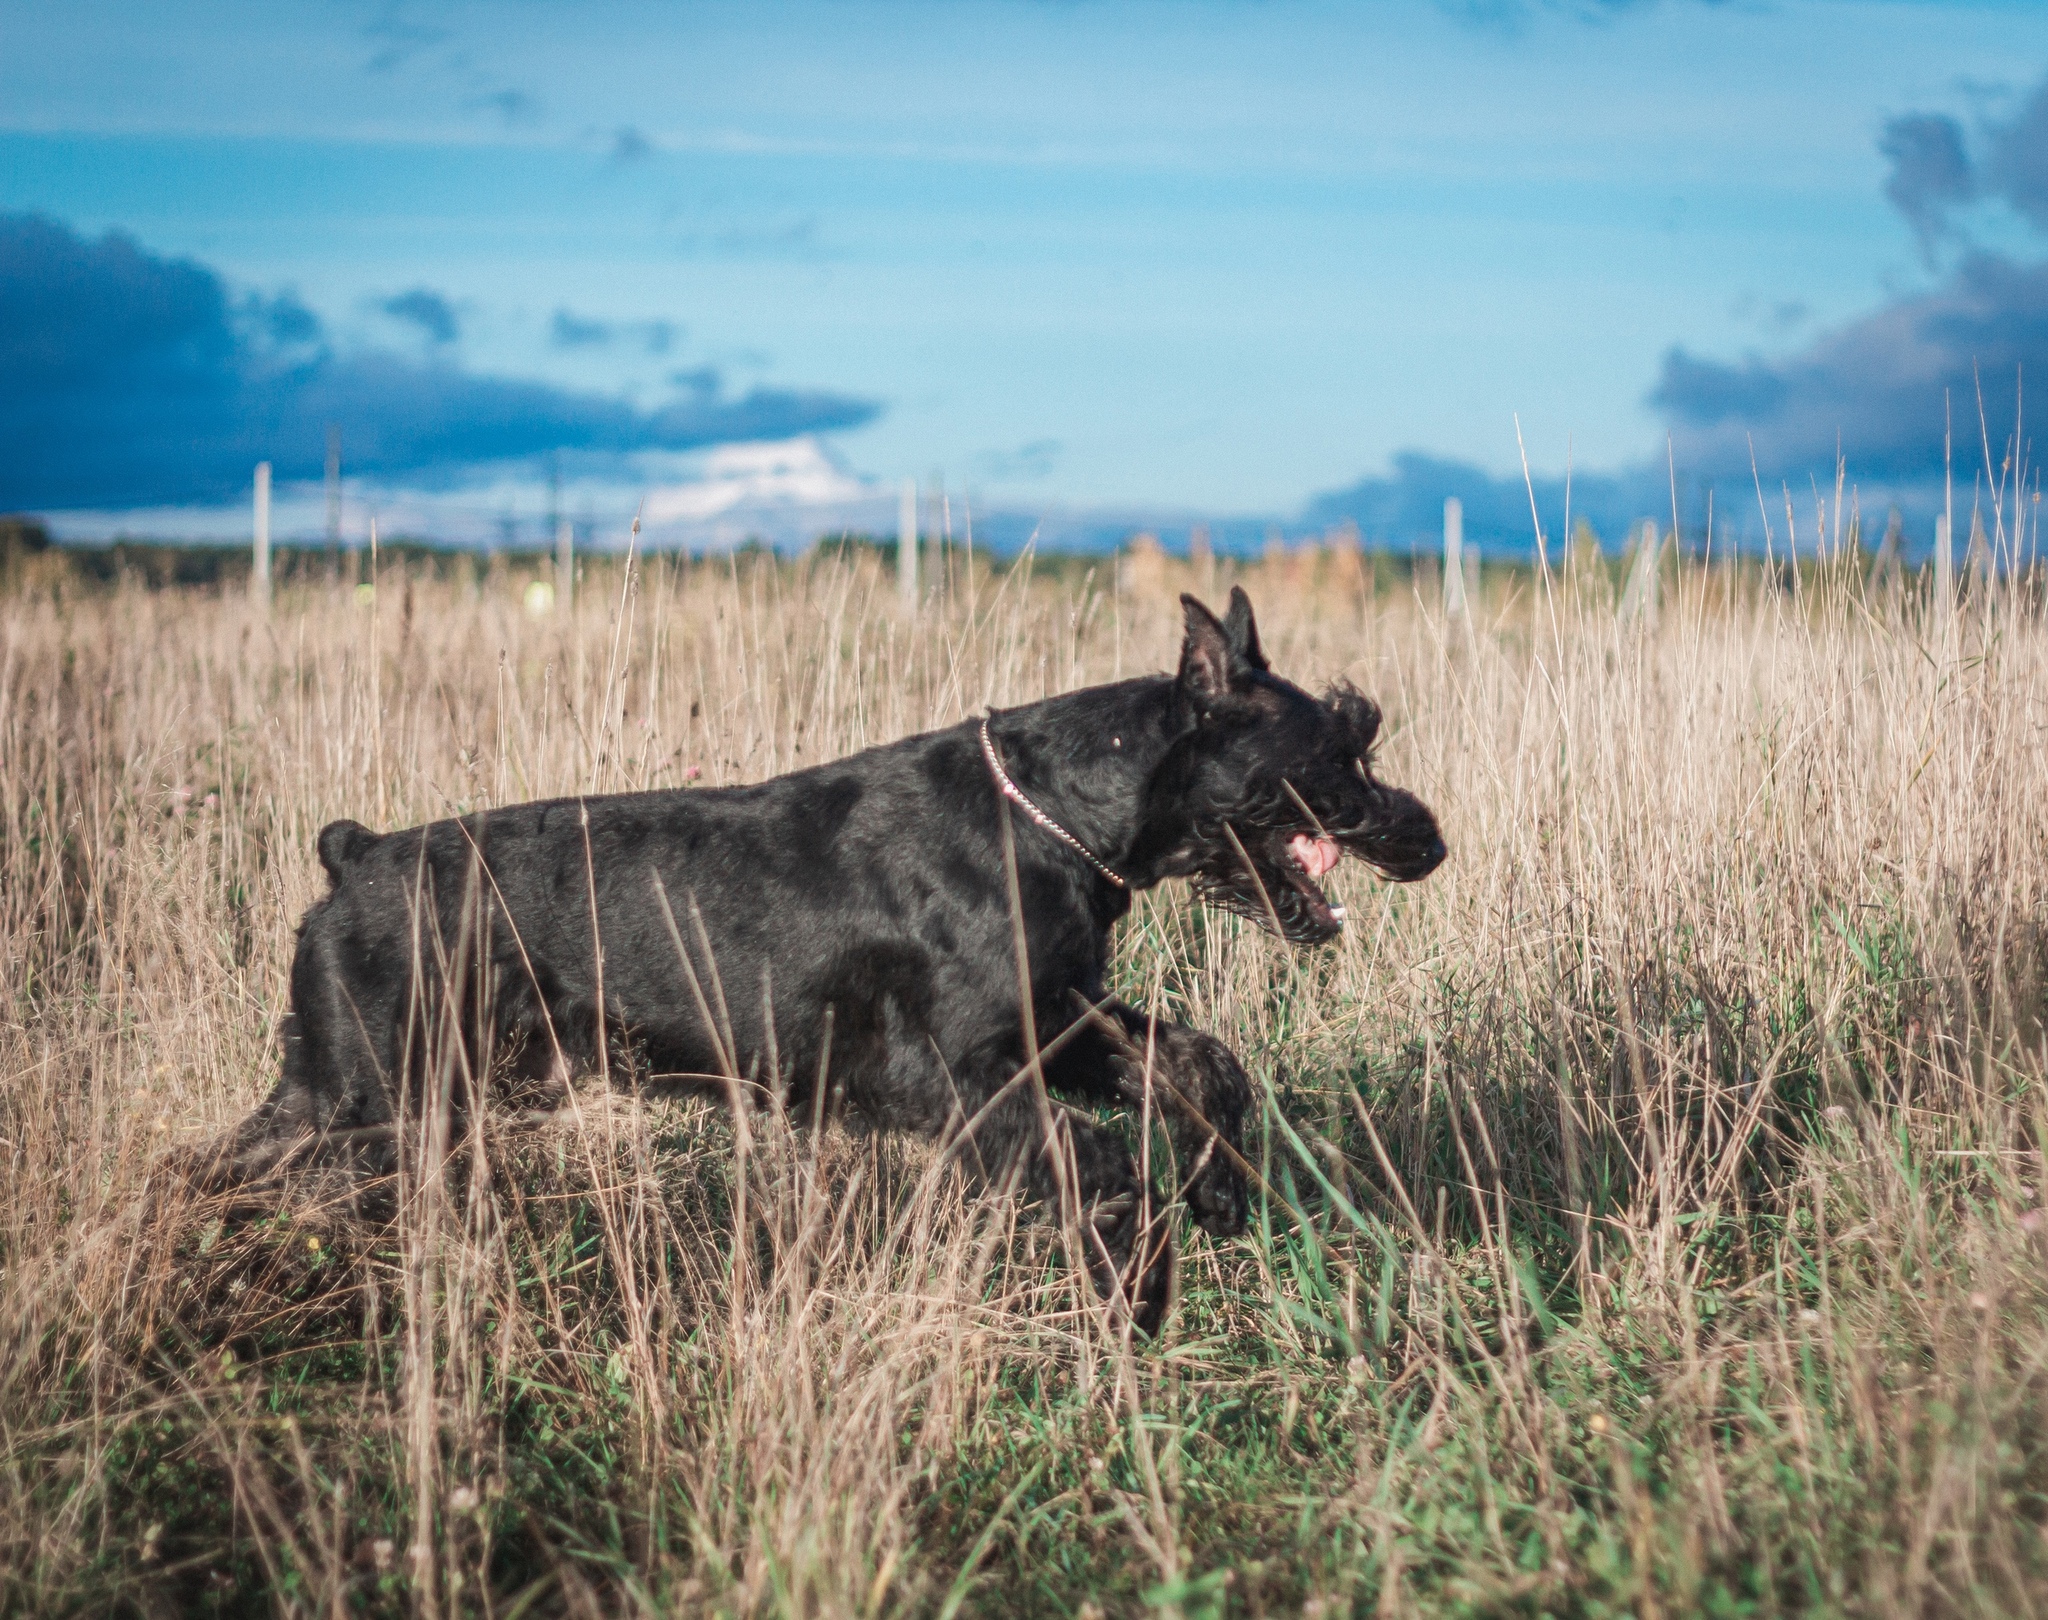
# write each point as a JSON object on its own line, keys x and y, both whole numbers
{"x": 1650, "y": 1210}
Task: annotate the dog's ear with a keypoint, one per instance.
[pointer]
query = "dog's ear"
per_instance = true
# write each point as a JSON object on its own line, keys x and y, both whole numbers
{"x": 1358, "y": 714}
{"x": 1205, "y": 656}
{"x": 1242, "y": 630}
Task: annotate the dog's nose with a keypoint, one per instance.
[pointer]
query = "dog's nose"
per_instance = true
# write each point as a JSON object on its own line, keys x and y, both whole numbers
{"x": 1431, "y": 857}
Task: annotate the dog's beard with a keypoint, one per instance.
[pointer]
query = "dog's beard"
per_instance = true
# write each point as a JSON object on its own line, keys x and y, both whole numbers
{"x": 1271, "y": 873}
{"x": 1273, "y": 881}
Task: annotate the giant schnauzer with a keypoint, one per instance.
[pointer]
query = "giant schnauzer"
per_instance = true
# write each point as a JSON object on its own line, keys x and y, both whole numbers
{"x": 857, "y": 938}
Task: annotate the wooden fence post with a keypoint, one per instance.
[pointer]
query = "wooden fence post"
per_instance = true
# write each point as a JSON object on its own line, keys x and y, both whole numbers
{"x": 1202, "y": 559}
{"x": 934, "y": 580}
{"x": 1944, "y": 571}
{"x": 1884, "y": 567}
{"x": 259, "y": 570}
{"x": 1639, "y": 597}
{"x": 906, "y": 545}
{"x": 1454, "y": 558}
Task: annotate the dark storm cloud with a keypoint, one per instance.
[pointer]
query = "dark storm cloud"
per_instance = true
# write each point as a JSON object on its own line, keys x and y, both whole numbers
{"x": 568, "y": 330}
{"x": 126, "y": 379}
{"x": 1934, "y": 176}
{"x": 1931, "y": 174}
{"x": 1877, "y": 391}
{"x": 398, "y": 40}
{"x": 1880, "y": 390}
{"x": 1406, "y": 508}
{"x": 426, "y": 309}
{"x": 2016, "y": 167}
{"x": 1876, "y": 387}
{"x": 516, "y": 107}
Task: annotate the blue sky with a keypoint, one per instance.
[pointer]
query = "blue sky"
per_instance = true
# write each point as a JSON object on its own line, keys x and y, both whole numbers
{"x": 1223, "y": 258}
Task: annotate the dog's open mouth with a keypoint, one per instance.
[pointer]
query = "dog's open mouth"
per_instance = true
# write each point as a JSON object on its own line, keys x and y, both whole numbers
{"x": 1309, "y": 858}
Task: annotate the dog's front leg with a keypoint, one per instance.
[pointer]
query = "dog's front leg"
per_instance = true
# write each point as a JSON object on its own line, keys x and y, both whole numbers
{"x": 1068, "y": 1163}
{"x": 1196, "y": 1083}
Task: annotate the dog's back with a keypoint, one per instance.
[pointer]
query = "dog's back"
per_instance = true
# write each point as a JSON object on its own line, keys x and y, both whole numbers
{"x": 724, "y": 931}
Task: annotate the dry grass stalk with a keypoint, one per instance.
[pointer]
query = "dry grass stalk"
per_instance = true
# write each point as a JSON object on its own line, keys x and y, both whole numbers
{"x": 1654, "y": 1210}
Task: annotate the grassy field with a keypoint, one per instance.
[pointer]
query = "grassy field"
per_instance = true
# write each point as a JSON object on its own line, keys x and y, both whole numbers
{"x": 1652, "y": 1218}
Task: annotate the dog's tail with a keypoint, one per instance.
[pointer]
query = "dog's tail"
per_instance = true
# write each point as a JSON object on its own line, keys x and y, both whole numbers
{"x": 342, "y": 844}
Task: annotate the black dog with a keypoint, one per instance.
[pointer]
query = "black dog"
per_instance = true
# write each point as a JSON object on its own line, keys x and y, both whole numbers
{"x": 852, "y": 927}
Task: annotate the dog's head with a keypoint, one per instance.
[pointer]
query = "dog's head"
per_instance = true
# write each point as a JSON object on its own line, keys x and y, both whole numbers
{"x": 1274, "y": 786}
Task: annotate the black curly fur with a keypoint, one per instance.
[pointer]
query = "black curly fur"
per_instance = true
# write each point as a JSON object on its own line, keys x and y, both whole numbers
{"x": 1267, "y": 762}
{"x": 854, "y": 921}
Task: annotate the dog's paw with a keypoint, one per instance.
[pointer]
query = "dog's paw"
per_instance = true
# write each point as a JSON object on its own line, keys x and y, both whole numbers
{"x": 1219, "y": 1200}
{"x": 1112, "y": 1216}
{"x": 1134, "y": 1260}
{"x": 1148, "y": 1293}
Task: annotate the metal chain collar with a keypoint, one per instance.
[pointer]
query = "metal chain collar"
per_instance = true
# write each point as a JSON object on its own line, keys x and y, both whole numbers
{"x": 1016, "y": 796}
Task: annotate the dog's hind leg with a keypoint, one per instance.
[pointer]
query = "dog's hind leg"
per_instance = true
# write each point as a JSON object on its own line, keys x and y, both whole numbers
{"x": 342, "y": 1046}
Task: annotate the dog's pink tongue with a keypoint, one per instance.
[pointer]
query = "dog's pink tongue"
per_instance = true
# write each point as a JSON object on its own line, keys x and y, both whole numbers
{"x": 1315, "y": 856}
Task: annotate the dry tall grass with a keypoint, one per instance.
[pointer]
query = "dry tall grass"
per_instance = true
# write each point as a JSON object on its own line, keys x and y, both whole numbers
{"x": 1652, "y": 1216}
